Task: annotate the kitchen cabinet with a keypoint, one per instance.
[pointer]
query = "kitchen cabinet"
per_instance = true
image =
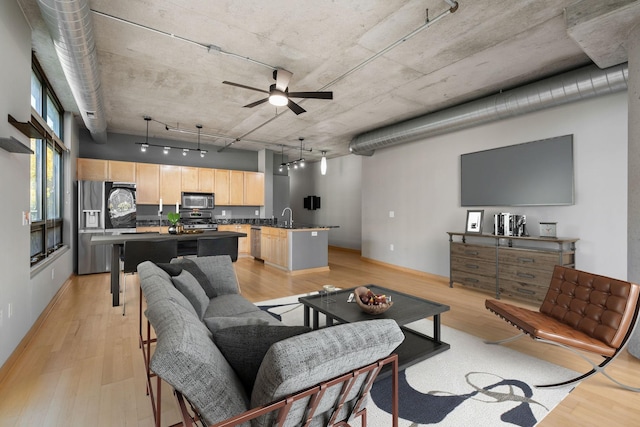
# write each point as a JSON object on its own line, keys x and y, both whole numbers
{"x": 236, "y": 188}
{"x": 121, "y": 171}
{"x": 206, "y": 180}
{"x": 274, "y": 246}
{"x": 190, "y": 178}
{"x": 147, "y": 183}
{"x": 243, "y": 242}
{"x": 254, "y": 188}
{"x": 92, "y": 169}
{"x": 170, "y": 184}
{"x": 519, "y": 267}
{"x": 222, "y": 187}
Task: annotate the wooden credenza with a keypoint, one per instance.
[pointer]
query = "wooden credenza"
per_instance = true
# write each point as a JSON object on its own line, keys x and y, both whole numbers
{"x": 518, "y": 267}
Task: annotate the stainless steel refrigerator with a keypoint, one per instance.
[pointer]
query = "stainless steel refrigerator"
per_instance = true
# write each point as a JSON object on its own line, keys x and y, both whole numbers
{"x": 104, "y": 207}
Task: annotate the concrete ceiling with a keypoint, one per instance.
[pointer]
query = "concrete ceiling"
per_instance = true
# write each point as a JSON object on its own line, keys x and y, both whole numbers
{"x": 483, "y": 48}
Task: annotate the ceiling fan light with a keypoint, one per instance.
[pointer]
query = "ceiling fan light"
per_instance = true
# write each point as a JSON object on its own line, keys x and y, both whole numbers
{"x": 323, "y": 164}
{"x": 278, "y": 98}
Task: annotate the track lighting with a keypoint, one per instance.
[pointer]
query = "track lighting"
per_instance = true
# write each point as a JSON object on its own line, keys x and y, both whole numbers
{"x": 144, "y": 146}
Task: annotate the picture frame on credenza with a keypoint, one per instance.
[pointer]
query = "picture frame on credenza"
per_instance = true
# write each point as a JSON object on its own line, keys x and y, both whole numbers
{"x": 474, "y": 221}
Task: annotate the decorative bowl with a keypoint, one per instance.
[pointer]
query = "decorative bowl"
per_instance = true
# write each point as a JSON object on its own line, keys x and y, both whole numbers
{"x": 370, "y": 308}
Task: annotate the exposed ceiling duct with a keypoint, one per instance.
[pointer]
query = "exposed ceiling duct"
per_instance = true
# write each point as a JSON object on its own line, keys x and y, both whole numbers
{"x": 576, "y": 85}
{"x": 71, "y": 29}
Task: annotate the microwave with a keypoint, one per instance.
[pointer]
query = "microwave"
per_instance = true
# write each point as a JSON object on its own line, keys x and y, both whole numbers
{"x": 198, "y": 200}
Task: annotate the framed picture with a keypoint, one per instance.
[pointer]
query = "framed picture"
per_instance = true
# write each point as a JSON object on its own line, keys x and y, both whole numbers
{"x": 474, "y": 221}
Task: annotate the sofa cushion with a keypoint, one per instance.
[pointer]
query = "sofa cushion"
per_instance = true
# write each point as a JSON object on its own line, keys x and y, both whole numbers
{"x": 230, "y": 305}
{"x": 156, "y": 285}
{"x": 190, "y": 288}
{"x": 219, "y": 269}
{"x": 202, "y": 278}
{"x": 306, "y": 360}
{"x": 214, "y": 324}
{"x": 244, "y": 347}
{"x": 189, "y": 361}
{"x": 170, "y": 269}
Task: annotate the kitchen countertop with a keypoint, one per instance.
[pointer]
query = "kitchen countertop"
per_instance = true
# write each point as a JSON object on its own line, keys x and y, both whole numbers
{"x": 119, "y": 239}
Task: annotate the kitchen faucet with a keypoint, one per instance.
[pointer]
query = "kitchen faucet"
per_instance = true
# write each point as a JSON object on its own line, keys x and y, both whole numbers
{"x": 290, "y": 217}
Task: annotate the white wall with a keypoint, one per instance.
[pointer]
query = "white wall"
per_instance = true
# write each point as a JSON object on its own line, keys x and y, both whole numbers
{"x": 341, "y": 199}
{"x": 420, "y": 182}
{"x": 27, "y": 293}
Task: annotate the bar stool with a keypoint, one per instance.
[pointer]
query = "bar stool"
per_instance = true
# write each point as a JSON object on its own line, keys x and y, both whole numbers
{"x": 137, "y": 251}
{"x": 208, "y": 246}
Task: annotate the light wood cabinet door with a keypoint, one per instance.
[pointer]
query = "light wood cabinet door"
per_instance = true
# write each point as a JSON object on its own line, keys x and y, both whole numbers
{"x": 254, "y": 188}
{"x": 206, "y": 180}
{"x": 147, "y": 183}
{"x": 190, "y": 178}
{"x": 222, "y": 187}
{"x": 236, "y": 188}
{"x": 170, "y": 184}
{"x": 122, "y": 171}
{"x": 92, "y": 169}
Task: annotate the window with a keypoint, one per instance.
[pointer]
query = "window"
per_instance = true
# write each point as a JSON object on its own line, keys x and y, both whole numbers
{"x": 47, "y": 172}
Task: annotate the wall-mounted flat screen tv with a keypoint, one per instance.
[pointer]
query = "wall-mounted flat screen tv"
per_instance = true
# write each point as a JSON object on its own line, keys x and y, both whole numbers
{"x": 536, "y": 173}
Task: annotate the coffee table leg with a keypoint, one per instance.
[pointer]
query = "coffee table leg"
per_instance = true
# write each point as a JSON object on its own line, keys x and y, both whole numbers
{"x": 306, "y": 315}
{"x": 329, "y": 321}
{"x": 436, "y": 328}
{"x": 316, "y": 319}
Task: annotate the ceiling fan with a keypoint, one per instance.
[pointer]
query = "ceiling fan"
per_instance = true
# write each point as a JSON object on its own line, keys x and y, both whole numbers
{"x": 279, "y": 94}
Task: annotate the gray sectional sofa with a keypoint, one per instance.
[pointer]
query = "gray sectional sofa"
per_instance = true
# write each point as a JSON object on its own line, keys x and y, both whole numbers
{"x": 226, "y": 356}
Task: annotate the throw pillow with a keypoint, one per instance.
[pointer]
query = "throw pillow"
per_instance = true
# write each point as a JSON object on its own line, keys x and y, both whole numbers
{"x": 171, "y": 269}
{"x": 190, "y": 288}
{"x": 202, "y": 278}
{"x": 244, "y": 347}
{"x": 216, "y": 323}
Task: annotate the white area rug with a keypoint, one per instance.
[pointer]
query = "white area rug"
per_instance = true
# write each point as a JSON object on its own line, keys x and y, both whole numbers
{"x": 471, "y": 384}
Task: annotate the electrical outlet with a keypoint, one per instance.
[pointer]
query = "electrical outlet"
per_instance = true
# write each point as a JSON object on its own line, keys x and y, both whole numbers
{"x": 224, "y": 213}
{"x": 257, "y": 212}
{"x": 391, "y": 247}
{"x": 392, "y": 214}
{"x": 9, "y": 310}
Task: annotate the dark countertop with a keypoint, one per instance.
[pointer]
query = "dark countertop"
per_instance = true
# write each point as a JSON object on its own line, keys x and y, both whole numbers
{"x": 119, "y": 239}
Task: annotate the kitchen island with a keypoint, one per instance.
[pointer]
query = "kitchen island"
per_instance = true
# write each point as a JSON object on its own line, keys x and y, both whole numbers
{"x": 117, "y": 243}
{"x": 301, "y": 249}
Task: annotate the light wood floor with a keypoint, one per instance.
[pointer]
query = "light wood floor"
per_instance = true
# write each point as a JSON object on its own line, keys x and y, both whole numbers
{"x": 83, "y": 366}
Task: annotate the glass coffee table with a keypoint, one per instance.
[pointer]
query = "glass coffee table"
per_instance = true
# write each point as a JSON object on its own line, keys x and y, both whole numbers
{"x": 405, "y": 309}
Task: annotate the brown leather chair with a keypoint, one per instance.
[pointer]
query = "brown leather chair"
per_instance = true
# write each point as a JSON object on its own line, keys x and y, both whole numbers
{"x": 581, "y": 311}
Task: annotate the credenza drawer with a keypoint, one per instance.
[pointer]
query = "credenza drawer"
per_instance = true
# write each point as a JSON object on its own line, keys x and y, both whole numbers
{"x": 534, "y": 259}
{"x": 473, "y": 266}
{"x": 475, "y": 281}
{"x": 528, "y": 291}
{"x": 524, "y": 273}
{"x": 487, "y": 253}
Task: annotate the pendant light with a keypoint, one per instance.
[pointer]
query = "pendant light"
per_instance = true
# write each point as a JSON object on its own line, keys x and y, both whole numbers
{"x": 143, "y": 147}
{"x": 281, "y": 158}
{"x": 301, "y": 158}
{"x": 202, "y": 152}
{"x": 323, "y": 163}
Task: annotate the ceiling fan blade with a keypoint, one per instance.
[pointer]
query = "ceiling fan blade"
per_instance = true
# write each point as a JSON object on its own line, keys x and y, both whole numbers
{"x": 282, "y": 79}
{"x": 316, "y": 95}
{"x": 244, "y": 86}
{"x": 295, "y": 107}
{"x": 253, "y": 104}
